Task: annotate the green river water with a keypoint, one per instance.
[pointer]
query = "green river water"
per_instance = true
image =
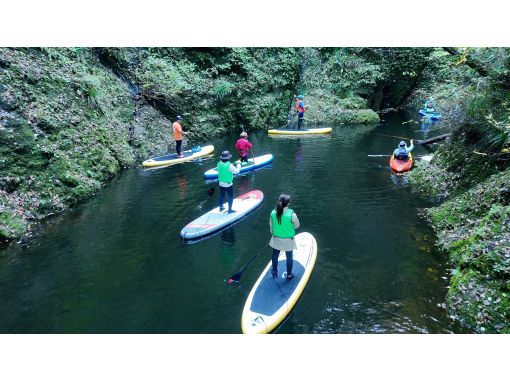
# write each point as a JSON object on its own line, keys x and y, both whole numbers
{"x": 116, "y": 263}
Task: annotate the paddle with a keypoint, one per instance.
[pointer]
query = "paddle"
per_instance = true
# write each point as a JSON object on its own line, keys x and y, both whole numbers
{"x": 250, "y": 149}
{"x": 237, "y": 277}
{"x": 400, "y": 137}
{"x": 184, "y": 142}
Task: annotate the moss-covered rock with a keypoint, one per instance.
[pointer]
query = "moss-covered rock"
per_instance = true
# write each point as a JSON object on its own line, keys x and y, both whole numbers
{"x": 474, "y": 228}
{"x": 66, "y": 124}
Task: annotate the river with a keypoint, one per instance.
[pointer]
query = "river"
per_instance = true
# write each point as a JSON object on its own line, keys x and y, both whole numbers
{"x": 116, "y": 263}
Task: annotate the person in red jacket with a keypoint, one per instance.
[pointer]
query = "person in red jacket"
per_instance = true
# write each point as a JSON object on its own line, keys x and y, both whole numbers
{"x": 243, "y": 146}
{"x": 300, "y": 108}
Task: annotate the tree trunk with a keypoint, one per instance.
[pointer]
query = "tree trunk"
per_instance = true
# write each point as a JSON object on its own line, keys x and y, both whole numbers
{"x": 433, "y": 139}
{"x": 475, "y": 65}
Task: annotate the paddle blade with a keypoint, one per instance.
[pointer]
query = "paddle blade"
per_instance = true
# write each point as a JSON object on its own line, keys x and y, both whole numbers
{"x": 234, "y": 279}
{"x": 210, "y": 191}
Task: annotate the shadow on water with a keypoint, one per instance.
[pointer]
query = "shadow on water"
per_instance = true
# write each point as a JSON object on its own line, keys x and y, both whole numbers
{"x": 116, "y": 264}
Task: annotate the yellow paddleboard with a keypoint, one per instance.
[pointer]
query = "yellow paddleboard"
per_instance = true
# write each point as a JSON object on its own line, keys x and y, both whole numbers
{"x": 171, "y": 159}
{"x": 288, "y": 131}
{"x": 272, "y": 299}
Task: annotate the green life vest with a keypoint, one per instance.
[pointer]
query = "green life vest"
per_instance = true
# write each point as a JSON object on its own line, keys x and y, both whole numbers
{"x": 286, "y": 229}
{"x": 224, "y": 175}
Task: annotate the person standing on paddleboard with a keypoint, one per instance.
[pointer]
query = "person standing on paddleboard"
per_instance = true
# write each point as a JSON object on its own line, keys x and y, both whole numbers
{"x": 300, "y": 107}
{"x": 226, "y": 171}
{"x": 243, "y": 146}
{"x": 402, "y": 152}
{"x": 283, "y": 223}
{"x": 178, "y": 134}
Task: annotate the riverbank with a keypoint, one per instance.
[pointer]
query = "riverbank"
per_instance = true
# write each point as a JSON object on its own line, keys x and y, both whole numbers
{"x": 469, "y": 178}
{"x": 474, "y": 229}
{"x": 67, "y": 126}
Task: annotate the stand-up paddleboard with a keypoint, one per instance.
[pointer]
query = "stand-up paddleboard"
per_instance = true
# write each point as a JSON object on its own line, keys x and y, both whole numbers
{"x": 170, "y": 159}
{"x": 253, "y": 164}
{"x": 401, "y": 166}
{"x": 216, "y": 220}
{"x": 289, "y": 131}
{"x": 272, "y": 299}
{"x": 431, "y": 115}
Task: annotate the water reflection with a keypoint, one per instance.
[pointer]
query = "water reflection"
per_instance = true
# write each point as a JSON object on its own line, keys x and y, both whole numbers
{"x": 228, "y": 236}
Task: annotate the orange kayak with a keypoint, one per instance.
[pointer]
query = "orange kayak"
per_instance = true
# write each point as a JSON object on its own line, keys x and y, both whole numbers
{"x": 400, "y": 166}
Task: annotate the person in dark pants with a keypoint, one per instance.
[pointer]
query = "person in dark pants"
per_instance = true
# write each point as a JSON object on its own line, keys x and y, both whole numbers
{"x": 243, "y": 146}
{"x": 300, "y": 107}
{"x": 283, "y": 223}
{"x": 178, "y": 135}
{"x": 226, "y": 171}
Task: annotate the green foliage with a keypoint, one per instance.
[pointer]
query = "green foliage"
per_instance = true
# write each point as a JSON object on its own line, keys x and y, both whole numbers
{"x": 222, "y": 89}
{"x": 330, "y": 84}
{"x": 89, "y": 87}
{"x": 351, "y": 74}
{"x": 160, "y": 77}
{"x": 11, "y": 226}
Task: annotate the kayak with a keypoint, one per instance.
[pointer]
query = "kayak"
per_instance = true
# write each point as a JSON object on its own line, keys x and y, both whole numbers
{"x": 170, "y": 159}
{"x": 430, "y": 115}
{"x": 253, "y": 163}
{"x": 272, "y": 299}
{"x": 401, "y": 166}
{"x": 216, "y": 220}
{"x": 289, "y": 131}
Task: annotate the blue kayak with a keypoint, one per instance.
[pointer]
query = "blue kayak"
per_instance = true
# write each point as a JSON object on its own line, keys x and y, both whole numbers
{"x": 430, "y": 115}
{"x": 253, "y": 163}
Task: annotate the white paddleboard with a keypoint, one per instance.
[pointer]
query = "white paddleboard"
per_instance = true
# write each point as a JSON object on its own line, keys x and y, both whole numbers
{"x": 253, "y": 164}
{"x": 215, "y": 219}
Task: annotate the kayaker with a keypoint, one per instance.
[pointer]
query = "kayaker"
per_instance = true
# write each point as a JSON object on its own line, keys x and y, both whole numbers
{"x": 300, "y": 108}
{"x": 283, "y": 223}
{"x": 429, "y": 106}
{"x": 226, "y": 171}
{"x": 402, "y": 152}
{"x": 178, "y": 135}
{"x": 243, "y": 146}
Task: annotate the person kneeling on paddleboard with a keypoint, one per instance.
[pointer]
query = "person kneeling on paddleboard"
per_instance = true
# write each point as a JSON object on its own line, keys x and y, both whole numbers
{"x": 226, "y": 171}
{"x": 243, "y": 146}
{"x": 283, "y": 223}
{"x": 429, "y": 106}
{"x": 402, "y": 152}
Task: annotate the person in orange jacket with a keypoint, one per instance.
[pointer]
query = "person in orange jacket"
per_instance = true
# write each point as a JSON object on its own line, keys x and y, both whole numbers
{"x": 178, "y": 135}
